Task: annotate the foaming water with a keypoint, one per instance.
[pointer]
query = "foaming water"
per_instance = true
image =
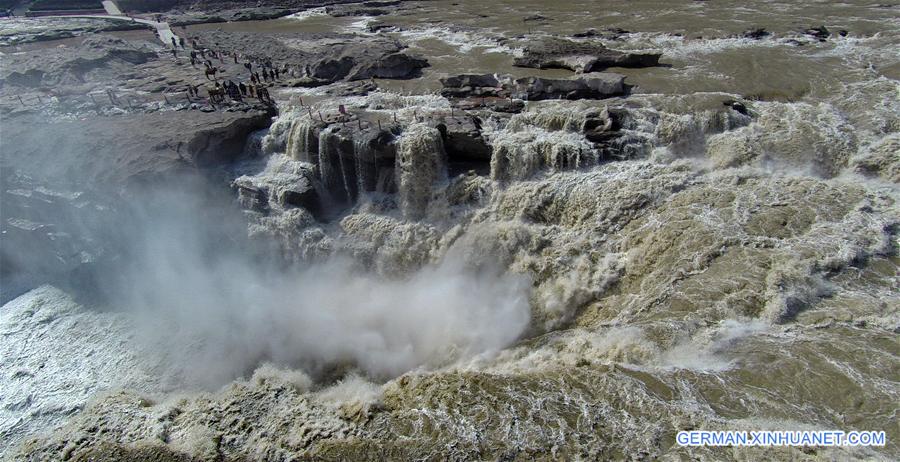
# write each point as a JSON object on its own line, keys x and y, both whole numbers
{"x": 726, "y": 260}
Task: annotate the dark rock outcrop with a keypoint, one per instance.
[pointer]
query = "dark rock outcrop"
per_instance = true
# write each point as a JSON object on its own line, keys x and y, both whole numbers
{"x": 609, "y": 33}
{"x": 535, "y": 18}
{"x": 756, "y": 34}
{"x": 463, "y": 141}
{"x": 821, "y": 33}
{"x": 388, "y": 66}
{"x": 382, "y": 4}
{"x": 594, "y": 86}
{"x": 305, "y": 198}
{"x": 467, "y": 85}
{"x": 589, "y": 86}
{"x": 351, "y": 10}
{"x": 559, "y": 53}
{"x": 737, "y": 106}
{"x": 323, "y": 57}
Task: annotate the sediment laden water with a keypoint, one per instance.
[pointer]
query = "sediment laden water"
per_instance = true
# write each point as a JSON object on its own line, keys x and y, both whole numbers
{"x": 705, "y": 269}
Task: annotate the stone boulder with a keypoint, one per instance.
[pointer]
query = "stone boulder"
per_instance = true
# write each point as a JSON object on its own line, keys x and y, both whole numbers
{"x": 328, "y": 57}
{"x": 559, "y": 53}
{"x": 820, "y": 33}
{"x": 595, "y": 86}
{"x": 481, "y": 88}
{"x": 609, "y": 33}
{"x": 388, "y": 66}
{"x": 463, "y": 140}
{"x": 465, "y": 85}
{"x": 756, "y": 34}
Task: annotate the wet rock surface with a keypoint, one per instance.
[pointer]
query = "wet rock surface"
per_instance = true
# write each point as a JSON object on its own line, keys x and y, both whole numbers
{"x": 323, "y": 57}
{"x": 590, "y": 86}
{"x": 598, "y": 85}
{"x": 554, "y": 52}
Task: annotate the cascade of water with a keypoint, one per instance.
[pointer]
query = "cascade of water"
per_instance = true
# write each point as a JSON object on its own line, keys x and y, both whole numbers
{"x": 347, "y": 172}
{"x": 303, "y": 141}
{"x": 366, "y": 166}
{"x": 551, "y": 119}
{"x": 421, "y": 162}
{"x": 519, "y": 155}
{"x": 329, "y": 163}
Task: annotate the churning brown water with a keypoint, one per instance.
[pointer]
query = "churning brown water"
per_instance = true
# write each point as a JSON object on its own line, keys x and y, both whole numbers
{"x": 733, "y": 272}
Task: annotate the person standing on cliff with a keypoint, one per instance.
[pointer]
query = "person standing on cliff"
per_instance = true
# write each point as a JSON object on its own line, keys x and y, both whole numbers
{"x": 174, "y": 43}
{"x": 181, "y": 42}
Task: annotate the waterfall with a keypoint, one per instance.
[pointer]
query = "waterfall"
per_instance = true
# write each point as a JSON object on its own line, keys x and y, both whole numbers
{"x": 346, "y": 166}
{"x": 329, "y": 164}
{"x": 421, "y": 162}
{"x": 366, "y": 165}
{"x": 520, "y": 155}
{"x": 303, "y": 141}
{"x": 568, "y": 118}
